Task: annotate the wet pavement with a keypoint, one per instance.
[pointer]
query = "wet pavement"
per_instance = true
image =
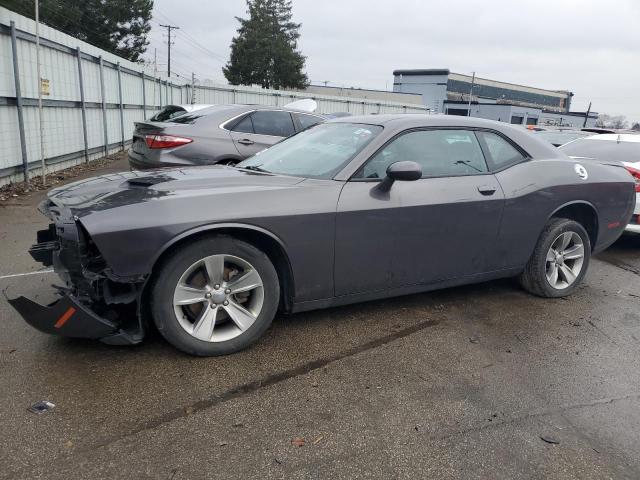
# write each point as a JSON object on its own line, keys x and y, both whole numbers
{"x": 483, "y": 381}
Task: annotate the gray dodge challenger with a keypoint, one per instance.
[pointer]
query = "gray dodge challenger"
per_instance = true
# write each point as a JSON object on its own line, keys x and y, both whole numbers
{"x": 355, "y": 209}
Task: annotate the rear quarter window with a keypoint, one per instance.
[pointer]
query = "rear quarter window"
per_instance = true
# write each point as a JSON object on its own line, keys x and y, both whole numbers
{"x": 307, "y": 121}
{"x": 501, "y": 153}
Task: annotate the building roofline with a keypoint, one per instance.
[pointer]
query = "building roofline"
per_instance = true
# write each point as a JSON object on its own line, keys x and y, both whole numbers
{"x": 428, "y": 71}
{"x": 446, "y": 71}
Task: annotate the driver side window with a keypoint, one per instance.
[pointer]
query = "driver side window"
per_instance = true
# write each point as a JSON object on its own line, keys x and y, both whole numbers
{"x": 441, "y": 153}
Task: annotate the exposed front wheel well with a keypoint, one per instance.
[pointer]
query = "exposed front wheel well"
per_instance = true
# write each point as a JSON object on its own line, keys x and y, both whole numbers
{"x": 585, "y": 215}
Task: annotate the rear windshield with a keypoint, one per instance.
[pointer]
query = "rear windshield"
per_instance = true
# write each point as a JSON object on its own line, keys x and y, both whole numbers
{"x": 167, "y": 113}
{"x": 603, "y": 150}
{"x": 194, "y": 116}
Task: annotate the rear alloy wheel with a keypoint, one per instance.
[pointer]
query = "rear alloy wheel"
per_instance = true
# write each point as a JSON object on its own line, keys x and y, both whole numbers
{"x": 560, "y": 259}
{"x": 223, "y": 295}
{"x": 564, "y": 260}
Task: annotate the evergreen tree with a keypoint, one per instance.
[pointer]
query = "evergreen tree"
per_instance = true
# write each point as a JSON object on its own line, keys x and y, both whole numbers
{"x": 117, "y": 26}
{"x": 265, "y": 50}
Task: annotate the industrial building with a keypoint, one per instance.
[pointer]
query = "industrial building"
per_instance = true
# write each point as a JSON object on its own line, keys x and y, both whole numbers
{"x": 443, "y": 91}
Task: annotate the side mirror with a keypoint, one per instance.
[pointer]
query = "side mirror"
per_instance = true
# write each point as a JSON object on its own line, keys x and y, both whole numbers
{"x": 403, "y": 171}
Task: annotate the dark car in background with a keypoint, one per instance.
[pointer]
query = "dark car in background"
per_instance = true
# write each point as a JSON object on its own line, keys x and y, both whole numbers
{"x": 350, "y": 210}
{"x": 613, "y": 147}
{"x": 171, "y": 111}
{"x": 219, "y": 134}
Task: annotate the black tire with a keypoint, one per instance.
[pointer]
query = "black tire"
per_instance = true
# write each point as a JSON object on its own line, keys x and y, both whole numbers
{"x": 169, "y": 273}
{"x": 534, "y": 278}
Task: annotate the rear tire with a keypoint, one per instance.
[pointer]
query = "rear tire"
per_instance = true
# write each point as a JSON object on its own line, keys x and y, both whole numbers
{"x": 560, "y": 260}
{"x": 214, "y": 296}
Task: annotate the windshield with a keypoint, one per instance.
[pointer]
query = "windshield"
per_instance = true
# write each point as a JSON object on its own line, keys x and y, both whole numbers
{"x": 318, "y": 152}
{"x": 603, "y": 150}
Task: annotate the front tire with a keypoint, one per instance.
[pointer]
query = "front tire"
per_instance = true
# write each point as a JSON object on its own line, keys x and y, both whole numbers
{"x": 215, "y": 296}
{"x": 560, "y": 260}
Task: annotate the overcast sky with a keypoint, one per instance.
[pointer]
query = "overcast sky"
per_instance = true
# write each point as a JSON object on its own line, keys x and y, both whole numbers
{"x": 590, "y": 47}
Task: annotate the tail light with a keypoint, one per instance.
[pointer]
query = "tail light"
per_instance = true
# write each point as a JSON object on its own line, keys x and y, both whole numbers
{"x": 636, "y": 176}
{"x": 165, "y": 141}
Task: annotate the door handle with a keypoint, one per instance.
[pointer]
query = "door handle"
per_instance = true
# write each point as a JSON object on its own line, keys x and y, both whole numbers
{"x": 246, "y": 141}
{"x": 487, "y": 189}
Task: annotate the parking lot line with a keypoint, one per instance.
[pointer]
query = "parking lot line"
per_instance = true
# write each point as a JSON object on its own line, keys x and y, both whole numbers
{"x": 2, "y": 277}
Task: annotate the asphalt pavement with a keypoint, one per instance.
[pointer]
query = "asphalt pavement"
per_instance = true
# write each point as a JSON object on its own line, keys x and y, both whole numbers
{"x": 483, "y": 381}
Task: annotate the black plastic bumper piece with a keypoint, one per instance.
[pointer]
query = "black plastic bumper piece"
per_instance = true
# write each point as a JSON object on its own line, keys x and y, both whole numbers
{"x": 68, "y": 317}
{"x": 42, "y": 251}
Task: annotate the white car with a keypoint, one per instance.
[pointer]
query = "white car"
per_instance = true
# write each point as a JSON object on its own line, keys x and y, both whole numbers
{"x": 621, "y": 147}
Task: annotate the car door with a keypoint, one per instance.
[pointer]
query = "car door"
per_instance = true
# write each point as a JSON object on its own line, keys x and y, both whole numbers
{"x": 261, "y": 129}
{"x": 440, "y": 227}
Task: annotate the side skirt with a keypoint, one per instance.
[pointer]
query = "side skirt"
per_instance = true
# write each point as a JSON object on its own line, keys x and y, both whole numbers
{"x": 405, "y": 290}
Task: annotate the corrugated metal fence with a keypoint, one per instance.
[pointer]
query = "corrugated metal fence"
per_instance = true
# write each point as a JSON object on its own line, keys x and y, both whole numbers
{"x": 94, "y": 97}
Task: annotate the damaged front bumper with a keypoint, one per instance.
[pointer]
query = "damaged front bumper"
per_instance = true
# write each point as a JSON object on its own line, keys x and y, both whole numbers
{"x": 91, "y": 305}
{"x": 68, "y": 317}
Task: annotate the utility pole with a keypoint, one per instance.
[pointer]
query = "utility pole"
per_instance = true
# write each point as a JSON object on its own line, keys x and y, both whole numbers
{"x": 169, "y": 28}
{"x": 586, "y": 116}
{"x": 155, "y": 74}
{"x": 473, "y": 81}
{"x": 40, "y": 113}
{"x": 193, "y": 88}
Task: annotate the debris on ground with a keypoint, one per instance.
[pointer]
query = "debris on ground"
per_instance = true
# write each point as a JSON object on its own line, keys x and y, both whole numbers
{"x": 550, "y": 440}
{"x": 41, "y": 407}
{"x": 318, "y": 440}
{"x": 298, "y": 442}
{"x": 474, "y": 339}
{"x": 18, "y": 189}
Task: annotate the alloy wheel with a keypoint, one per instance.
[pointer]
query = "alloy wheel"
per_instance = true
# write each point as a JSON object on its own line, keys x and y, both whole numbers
{"x": 218, "y": 298}
{"x": 564, "y": 260}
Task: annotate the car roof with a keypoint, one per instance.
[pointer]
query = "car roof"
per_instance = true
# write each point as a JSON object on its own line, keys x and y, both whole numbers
{"x": 241, "y": 108}
{"x": 533, "y": 145}
{"x": 407, "y": 120}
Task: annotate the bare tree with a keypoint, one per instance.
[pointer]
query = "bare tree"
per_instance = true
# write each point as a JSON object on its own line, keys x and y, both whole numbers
{"x": 608, "y": 121}
{"x": 636, "y": 126}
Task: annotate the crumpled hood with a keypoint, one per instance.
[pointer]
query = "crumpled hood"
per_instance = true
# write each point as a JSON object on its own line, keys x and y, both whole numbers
{"x": 119, "y": 189}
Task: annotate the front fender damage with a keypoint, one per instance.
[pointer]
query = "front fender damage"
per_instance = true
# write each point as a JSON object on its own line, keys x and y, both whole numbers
{"x": 94, "y": 303}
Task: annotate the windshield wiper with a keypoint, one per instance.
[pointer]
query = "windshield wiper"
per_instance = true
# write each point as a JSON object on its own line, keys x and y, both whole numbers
{"x": 254, "y": 168}
{"x": 468, "y": 164}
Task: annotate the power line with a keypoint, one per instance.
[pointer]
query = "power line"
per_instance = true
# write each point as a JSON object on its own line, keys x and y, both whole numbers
{"x": 189, "y": 38}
